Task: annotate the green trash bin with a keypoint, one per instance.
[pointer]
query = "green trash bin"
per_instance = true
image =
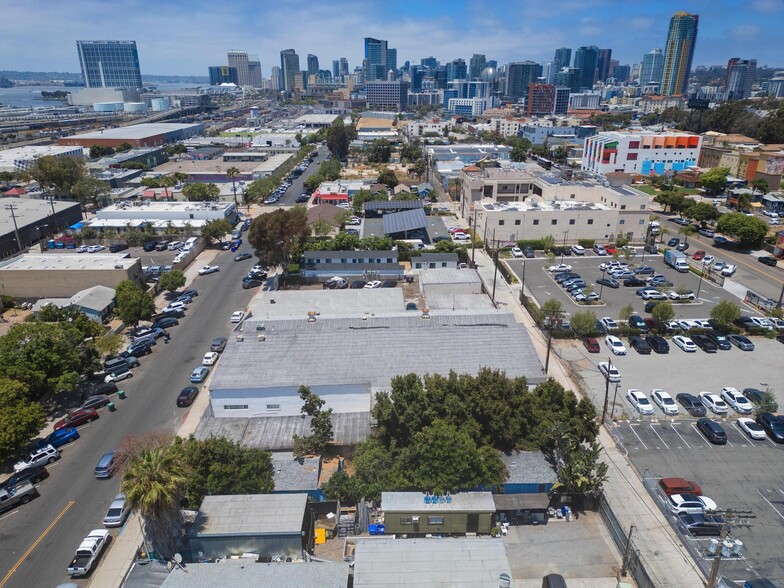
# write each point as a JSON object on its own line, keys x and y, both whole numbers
{"x": 111, "y": 407}
{"x": 121, "y": 394}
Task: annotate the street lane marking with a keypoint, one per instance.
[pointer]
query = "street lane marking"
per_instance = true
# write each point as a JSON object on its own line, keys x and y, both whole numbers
{"x": 27, "y": 553}
{"x": 659, "y": 436}
{"x": 693, "y": 426}
{"x": 630, "y": 426}
{"x": 13, "y": 512}
{"x": 778, "y": 512}
{"x": 679, "y": 435}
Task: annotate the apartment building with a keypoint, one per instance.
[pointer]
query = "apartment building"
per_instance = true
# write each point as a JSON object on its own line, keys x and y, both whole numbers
{"x": 640, "y": 153}
{"x": 517, "y": 203}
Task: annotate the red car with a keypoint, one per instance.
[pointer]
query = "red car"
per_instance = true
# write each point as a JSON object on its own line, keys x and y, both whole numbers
{"x": 76, "y": 418}
{"x": 698, "y": 255}
{"x": 591, "y": 344}
{"x": 610, "y": 249}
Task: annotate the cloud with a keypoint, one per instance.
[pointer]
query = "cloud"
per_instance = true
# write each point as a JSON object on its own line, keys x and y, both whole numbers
{"x": 746, "y": 31}
{"x": 641, "y": 23}
{"x": 768, "y": 6}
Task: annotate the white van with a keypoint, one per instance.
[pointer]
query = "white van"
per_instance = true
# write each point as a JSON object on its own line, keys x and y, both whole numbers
{"x": 174, "y": 245}
{"x": 189, "y": 244}
{"x": 415, "y": 244}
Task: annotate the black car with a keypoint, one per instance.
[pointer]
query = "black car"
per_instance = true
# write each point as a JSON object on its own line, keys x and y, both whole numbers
{"x": 187, "y": 396}
{"x": 440, "y": 238}
{"x": 633, "y": 283}
{"x": 657, "y": 343}
{"x": 640, "y": 345}
{"x": 609, "y": 282}
{"x": 528, "y": 252}
{"x": 638, "y": 323}
{"x": 357, "y": 284}
{"x": 249, "y": 283}
{"x": 701, "y": 524}
{"x": 745, "y": 322}
{"x": 719, "y": 339}
{"x": 389, "y": 284}
{"x": 561, "y": 278}
{"x": 692, "y": 404}
{"x": 773, "y": 425}
{"x": 108, "y": 388}
{"x": 218, "y": 344}
{"x": 302, "y": 198}
{"x": 165, "y": 323}
{"x": 673, "y": 242}
{"x": 768, "y": 260}
{"x": 644, "y": 270}
{"x": 149, "y": 245}
{"x": 600, "y": 327}
{"x": 712, "y": 431}
{"x": 682, "y": 246}
{"x": 704, "y": 343}
{"x": 256, "y": 275}
{"x": 137, "y": 349}
{"x": 34, "y": 474}
{"x": 757, "y": 397}
{"x": 115, "y": 247}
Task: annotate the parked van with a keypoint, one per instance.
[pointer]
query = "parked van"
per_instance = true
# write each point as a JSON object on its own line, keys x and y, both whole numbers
{"x": 104, "y": 467}
{"x": 415, "y": 244}
{"x": 174, "y": 245}
{"x": 116, "y": 363}
{"x": 190, "y": 243}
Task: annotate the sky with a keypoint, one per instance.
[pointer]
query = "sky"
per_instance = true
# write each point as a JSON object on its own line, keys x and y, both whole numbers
{"x": 184, "y": 37}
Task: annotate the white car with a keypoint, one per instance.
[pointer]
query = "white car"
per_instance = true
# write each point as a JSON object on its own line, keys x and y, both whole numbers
{"x": 209, "y": 269}
{"x": 729, "y": 270}
{"x": 610, "y": 372}
{"x": 209, "y": 358}
{"x": 354, "y": 220}
{"x": 713, "y": 403}
{"x": 673, "y": 295}
{"x": 82, "y": 249}
{"x": 559, "y": 268}
{"x": 40, "y": 456}
{"x": 762, "y": 322}
{"x": 615, "y": 345}
{"x": 461, "y": 237}
{"x": 237, "y": 316}
{"x": 608, "y": 322}
{"x": 578, "y": 249}
{"x": 685, "y": 343}
{"x": 612, "y": 265}
{"x": 517, "y": 252}
{"x": 707, "y": 260}
{"x": 372, "y": 285}
{"x": 690, "y": 503}
{"x": 639, "y": 401}
{"x": 175, "y": 306}
{"x": 736, "y": 400}
{"x": 95, "y": 248}
{"x": 118, "y": 376}
{"x": 751, "y": 428}
{"x": 180, "y": 256}
{"x": 117, "y": 513}
{"x": 653, "y": 295}
{"x": 664, "y": 401}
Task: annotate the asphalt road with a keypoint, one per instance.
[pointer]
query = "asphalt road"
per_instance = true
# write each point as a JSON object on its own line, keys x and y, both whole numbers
{"x": 298, "y": 184}
{"x": 38, "y": 540}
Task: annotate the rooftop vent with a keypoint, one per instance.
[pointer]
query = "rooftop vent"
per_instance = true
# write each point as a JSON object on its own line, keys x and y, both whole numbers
{"x": 240, "y": 338}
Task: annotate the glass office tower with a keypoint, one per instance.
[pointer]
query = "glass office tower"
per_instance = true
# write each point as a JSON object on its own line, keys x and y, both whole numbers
{"x": 109, "y": 64}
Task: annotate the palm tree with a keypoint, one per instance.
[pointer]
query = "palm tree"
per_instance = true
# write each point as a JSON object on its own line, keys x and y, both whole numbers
{"x": 687, "y": 232}
{"x": 153, "y": 484}
{"x": 232, "y": 173}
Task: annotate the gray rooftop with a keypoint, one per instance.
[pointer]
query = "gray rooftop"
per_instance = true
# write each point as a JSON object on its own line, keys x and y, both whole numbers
{"x": 440, "y": 302}
{"x": 95, "y": 298}
{"x": 408, "y": 220}
{"x": 428, "y": 257}
{"x": 250, "y": 514}
{"x": 247, "y": 574}
{"x": 431, "y": 277}
{"x": 393, "y": 204}
{"x": 385, "y": 254}
{"x": 415, "y": 502}
{"x": 296, "y": 304}
{"x": 528, "y": 467}
{"x": 30, "y": 212}
{"x": 292, "y": 474}
{"x": 276, "y": 433}
{"x": 342, "y": 351}
{"x": 430, "y": 563}
{"x": 69, "y": 261}
{"x": 140, "y": 131}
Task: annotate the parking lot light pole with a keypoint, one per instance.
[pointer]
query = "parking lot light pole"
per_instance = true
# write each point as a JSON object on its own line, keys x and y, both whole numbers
{"x": 563, "y": 249}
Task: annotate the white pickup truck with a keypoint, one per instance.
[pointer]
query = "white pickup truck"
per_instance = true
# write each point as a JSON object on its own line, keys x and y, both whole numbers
{"x": 88, "y": 552}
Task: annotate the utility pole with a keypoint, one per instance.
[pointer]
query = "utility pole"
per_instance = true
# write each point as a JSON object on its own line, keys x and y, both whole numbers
{"x": 473, "y": 241}
{"x": 12, "y": 208}
{"x": 725, "y": 529}
{"x": 781, "y": 297}
{"x": 606, "y": 389}
{"x": 495, "y": 273}
{"x": 625, "y": 565}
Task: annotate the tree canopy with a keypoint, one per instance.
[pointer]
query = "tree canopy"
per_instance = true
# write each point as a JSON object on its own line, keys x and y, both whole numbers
{"x": 749, "y": 230}
{"x": 379, "y": 151}
{"x": 57, "y": 175}
{"x": 90, "y": 190}
{"x": 278, "y": 236}
{"x": 215, "y": 229}
{"x": 388, "y": 177}
{"x": 172, "y": 280}
{"x": 20, "y": 419}
{"x": 725, "y": 312}
{"x": 133, "y": 303}
{"x": 339, "y": 136}
{"x": 201, "y": 192}
{"x": 715, "y": 179}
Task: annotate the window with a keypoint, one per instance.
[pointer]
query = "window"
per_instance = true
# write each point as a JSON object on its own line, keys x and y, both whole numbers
{"x": 501, "y": 223}
{"x": 590, "y": 221}
{"x": 273, "y": 407}
{"x": 517, "y": 222}
{"x": 631, "y": 156}
{"x": 235, "y": 407}
{"x": 536, "y": 221}
{"x": 623, "y": 207}
{"x": 641, "y": 221}
{"x": 554, "y": 221}
{"x": 343, "y": 260}
{"x": 443, "y": 264}
{"x": 435, "y": 520}
{"x": 642, "y": 207}
{"x": 572, "y": 221}
{"x": 622, "y": 222}
{"x": 405, "y": 520}
{"x": 432, "y": 265}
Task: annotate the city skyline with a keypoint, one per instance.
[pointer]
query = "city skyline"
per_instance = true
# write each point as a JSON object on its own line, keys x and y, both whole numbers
{"x": 514, "y": 31}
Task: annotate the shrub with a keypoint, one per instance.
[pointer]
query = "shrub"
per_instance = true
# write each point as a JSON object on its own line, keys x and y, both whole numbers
{"x": 587, "y": 243}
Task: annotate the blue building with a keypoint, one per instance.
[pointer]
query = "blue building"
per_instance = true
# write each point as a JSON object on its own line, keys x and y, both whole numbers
{"x": 109, "y": 64}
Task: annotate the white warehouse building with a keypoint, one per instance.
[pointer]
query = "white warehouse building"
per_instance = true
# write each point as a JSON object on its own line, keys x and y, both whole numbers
{"x": 160, "y": 215}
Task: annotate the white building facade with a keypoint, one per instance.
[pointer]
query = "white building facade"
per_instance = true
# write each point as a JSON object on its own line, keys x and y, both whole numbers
{"x": 640, "y": 153}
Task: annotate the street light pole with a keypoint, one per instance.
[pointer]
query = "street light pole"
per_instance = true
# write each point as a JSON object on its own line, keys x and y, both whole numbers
{"x": 615, "y": 396}
{"x": 606, "y": 388}
{"x": 563, "y": 249}
{"x": 601, "y": 285}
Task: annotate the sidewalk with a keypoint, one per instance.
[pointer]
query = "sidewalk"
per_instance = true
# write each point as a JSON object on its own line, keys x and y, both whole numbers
{"x": 659, "y": 547}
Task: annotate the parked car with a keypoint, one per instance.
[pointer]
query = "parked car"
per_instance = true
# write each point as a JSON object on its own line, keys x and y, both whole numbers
{"x": 187, "y": 396}
{"x": 136, "y": 350}
{"x": 96, "y": 401}
{"x": 664, "y": 401}
{"x": 578, "y": 249}
{"x": 773, "y": 425}
{"x": 77, "y": 418}
{"x": 209, "y": 269}
{"x": 591, "y": 344}
{"x": 673, "y": 242}
{"x": 40, "y": 456}
{"x": 768, "y": 260}
{"x": 209, "y": 358}
{"x": 719, "y": 339}
{"x": 736, "y": 400}
{"x": 692, "y": 404}
{"x": 639, "y": 345}
{"x": 199, "y": 374}
{"x": 237, "y": 316}
{"x": 701, "y": 524}
{"x": 117, "y": 512}
{"x": 517, "y": 252}
{"x": 608, "y": 322}
{"x": 657, "y": 343}
{"x": 713, "y": 402}
{"x": 600, "y": 327}
{"x": 729, "y": 270}
{"x": 59, "y": 437}
{"x": 243, "y": 255}
{"x": 698, "y": 255}
{"x": 357, "y": 284}
{"x": 105, "y": 466}
{"x": 218, "y": 344}
{"x": 633, "y": 283}
{"x": 118, "y": 375}
{"x": 373, "y": 284}
{"x": 752, "y": 428}
{"x": 610, "y": 372}
{"x": 166, "y": 323}
{"x": 758, "y": 397}
{"x": 615, "y": 345}
{"x": 705, "y": 343}
{"x": 33, "y": 474}
{"x": 712, "y": 430}
{"x": 691, "y": 503}
{"x": 529, "y": 252}
{"x": 685, "y": 343}
{"x": 639, "y": 401}
{"x": 609, "y": 282}
{"x": 637, "y": 322}
{"x": 560, "y": 267}
{"x": 741, "y": 342}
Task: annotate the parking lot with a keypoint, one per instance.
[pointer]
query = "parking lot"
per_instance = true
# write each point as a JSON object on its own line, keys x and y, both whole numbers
{"x": 743, "y": 474}
{"x": 541, "y": 284}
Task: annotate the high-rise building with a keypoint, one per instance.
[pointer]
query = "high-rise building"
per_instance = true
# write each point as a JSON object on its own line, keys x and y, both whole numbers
{"x": 548, "y": 72}
{"x": 541, "y": 99}
{"x": 603, "y": 65}
{"x": 239, "y": 60}
{"x": 476, "y": 65}
{"x": 222, "y": 74}
{"x": 740, "y": 77}
{"x": 568, "y": 77}
{"x": 289, "y": 66}
{"x": 678, "y": 54}
{"x": 439, "y": 75}
{"x": 585, "y": 59}
{"x": 621, "y": 73}
{"x": 109, "y": 64}
{"x": 456, "y": 70}
{"x": 335, "y": 68}
{"x": 379, "y": 59}
{"x": 561, "y": 104}
{"x": 563, "y": 58}
{"x": 416, "y": 73}
{"x": 387, "y": 95}
{"x": 343, "y": 66}
{"x": 430, "y": 62}
{"x": 652, "y": 67}
{"x": 313, "y": 64}
{"x": 392, "y": 60}
{"x": 254, "y": 71}
{"x": 276, "y": 79}
{"x": 519, "y": 75}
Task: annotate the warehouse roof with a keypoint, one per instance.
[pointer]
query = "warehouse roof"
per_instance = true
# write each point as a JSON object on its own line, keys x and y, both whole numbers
{"x": 140, "y": 131}
{"x": 68, "y": 261}
{"x": 430, "y": 277}
{"x": 425, "y": 563}
{"x": 428, "y": 257}
{"x": 30, "y": 212}
{"x": 296, "y": 304}
{"x": 250, "y": 514}
{"x": 243, "y": 573}
{"x": 408, "y": 220}
{"x": 392, "y": 205}
{"x": 419, "y": 501}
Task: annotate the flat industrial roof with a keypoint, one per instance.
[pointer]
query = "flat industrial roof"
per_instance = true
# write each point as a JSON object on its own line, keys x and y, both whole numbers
{"x": 426, "y": 563}
{"x": 296, "y": 304}
{"x": 250, "y": 514}
{"x": 154, "y": 207}
{"x": 245, "y": 573}
{"x": 316, "y": 119}
{"x": 30, "y": 212}
{"x": 419, "y": 501}
{"x": 140, "y": 131}
{"x": 431, "y": 277}
{"x": 68, "y": 261}
{"x": 8, "y": 157}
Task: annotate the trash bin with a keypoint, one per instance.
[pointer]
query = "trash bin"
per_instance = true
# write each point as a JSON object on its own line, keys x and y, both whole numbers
{"x": 121, "y": 394}
{"x": 111, "y": 407}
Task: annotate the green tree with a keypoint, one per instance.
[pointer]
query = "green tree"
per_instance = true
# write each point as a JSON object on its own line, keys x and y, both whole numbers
{"x": 359, "y": 199}
{"x": 583, "y": 323}
{"x": 172, "y": 280}
{"x": 219, "y": 466}
{"x": 725, "y": 312}
{"x": 133, "y": 303}
{"x": 98, "y": 151}
{"x": 90, "y": 190}
{"x": 663, "y": 313}
{"x": 767, "y": 404}
{"x": 20, "y": 419}
{"x": 339, "y": 136}
{"x": 701, "y": 212}
{"x": 749, "y": 230}
{"x": 411, "y": 153}
{"x": 446, "y": 247}
{"x": 153, "y": 484}
{"x": 405, "y": 196}
{"x": 109, "y": 345}
{"x": 201, "y": 192}
{"x": 57, "y": 175}
{"x": 259, "y": 190}
{"x": 125, "y": 146}
{"x": 759, "y": 185}
{"x": 320, "y": 425}
{"x": 379, "y": 151}
{"x": 215, "y": 229}
{"x": 715, "y": 179}
{"x": 626, "y": 312}
{"x": 548, "y": 242}
{"x": 150, "y": 182}
{"x": 518, "y": 153}
{"x": 344, "y": 487}
{"x": 388, "y": 178}
{"x": 321, "y": 228}
{"x": 687, "y": 232}
{"x": 276, "y": 237}
{"x": 552, "y": 311}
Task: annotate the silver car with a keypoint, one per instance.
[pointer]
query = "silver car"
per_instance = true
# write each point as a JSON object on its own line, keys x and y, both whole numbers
{"x": 117, "y": 513}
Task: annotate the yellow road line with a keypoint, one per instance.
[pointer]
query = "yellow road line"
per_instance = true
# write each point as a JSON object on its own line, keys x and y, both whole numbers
{"x": 27, "y": 553}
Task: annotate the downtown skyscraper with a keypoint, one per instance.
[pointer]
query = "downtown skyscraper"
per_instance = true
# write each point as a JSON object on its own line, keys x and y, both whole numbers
{"x": 248, "y": 68}
{"x": 652, "y": 67}
{"x": 109, "y": 64}
{"x": 379, "y": 59}
{"x": 678, "y": 53}
{"x": 289, "y": 67}
{"x": 740, "y": 77}
{"x": 586, "y": 59}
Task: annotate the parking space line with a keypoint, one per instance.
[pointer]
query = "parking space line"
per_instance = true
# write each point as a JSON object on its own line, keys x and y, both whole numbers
{"x": 659, "y": 436}
{"x": 638, "y": 437}
{"x": 700, "y": 435}
{"x": 778, "y": 512}
{"x": 679, "y": 435}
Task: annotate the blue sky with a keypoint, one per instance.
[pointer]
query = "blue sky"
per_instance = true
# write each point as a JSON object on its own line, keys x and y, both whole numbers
{"x": 185, "y": 37}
